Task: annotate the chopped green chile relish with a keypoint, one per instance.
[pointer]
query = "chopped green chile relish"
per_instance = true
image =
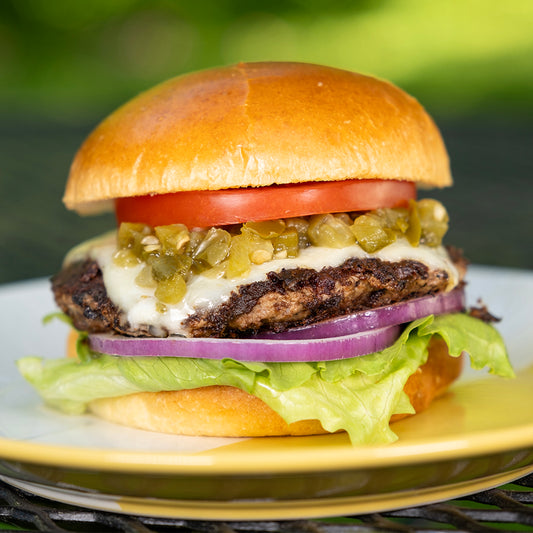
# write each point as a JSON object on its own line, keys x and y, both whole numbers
{"x": 171, "y": 254}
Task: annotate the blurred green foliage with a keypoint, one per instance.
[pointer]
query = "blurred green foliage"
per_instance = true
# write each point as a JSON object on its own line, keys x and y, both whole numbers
{"x": 74, "y": 59}
{"x": 66, "y": 64}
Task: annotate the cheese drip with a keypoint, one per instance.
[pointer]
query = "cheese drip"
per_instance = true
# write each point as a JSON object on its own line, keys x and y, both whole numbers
{"x": 141, "y": 306}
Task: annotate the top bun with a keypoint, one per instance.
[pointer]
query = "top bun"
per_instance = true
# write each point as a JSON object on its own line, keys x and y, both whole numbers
{"x": 257, "y": 124}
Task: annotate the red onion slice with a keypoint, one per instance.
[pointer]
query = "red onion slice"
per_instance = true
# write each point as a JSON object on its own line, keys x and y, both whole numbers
{"x": 340, "y": 338}
{"x": 399, "y": 313}
{"x": 259, "y": 350}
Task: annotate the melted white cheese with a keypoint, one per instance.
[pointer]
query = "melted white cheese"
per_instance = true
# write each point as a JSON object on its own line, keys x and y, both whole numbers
{"x": 140, "y": 304}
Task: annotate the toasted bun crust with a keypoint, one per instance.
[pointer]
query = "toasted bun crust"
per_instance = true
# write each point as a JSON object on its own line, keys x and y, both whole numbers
{"x": 257, "y": 124}
{"x": 229, "y": 412}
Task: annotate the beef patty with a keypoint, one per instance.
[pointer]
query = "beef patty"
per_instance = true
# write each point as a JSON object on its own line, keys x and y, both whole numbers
{"x": 288, "y": 298}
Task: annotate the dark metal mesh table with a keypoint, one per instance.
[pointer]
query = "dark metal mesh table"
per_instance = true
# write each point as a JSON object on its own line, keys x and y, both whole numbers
{"x": 508, "y": 508}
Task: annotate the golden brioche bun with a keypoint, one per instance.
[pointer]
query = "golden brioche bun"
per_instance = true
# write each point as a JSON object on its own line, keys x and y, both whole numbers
{"x": 257, "y": 124}
{"x": 229, "y": 412}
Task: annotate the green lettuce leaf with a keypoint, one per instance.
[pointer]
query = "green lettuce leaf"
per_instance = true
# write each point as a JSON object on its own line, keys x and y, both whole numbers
{"x": 358, "y": 395}
{"x": 481, "y": 341}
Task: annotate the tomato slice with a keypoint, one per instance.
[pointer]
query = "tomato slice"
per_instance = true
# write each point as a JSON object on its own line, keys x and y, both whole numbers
{"x": 235, "y": 206}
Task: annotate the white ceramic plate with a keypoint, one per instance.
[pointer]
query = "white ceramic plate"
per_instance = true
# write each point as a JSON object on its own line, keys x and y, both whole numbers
{"x": 478, "y": 436}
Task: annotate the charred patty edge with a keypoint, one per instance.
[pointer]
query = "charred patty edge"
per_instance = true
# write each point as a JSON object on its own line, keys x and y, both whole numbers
{"x": 299, "y": 297}
{"x": 289, "y": 298}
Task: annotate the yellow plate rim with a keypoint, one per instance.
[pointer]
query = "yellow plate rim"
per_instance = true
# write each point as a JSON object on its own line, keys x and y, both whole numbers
{"x": 279, "y": 460}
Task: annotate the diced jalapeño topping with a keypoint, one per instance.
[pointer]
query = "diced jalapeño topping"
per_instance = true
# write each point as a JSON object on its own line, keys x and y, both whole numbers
{"x": 171, "y": 254}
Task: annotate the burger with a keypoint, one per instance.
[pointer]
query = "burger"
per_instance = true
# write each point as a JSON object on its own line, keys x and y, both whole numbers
{"x": 273, "y": 271}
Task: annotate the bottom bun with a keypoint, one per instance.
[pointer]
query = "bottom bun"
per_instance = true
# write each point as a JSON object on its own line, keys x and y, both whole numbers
{"x": 223, "y": 411}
